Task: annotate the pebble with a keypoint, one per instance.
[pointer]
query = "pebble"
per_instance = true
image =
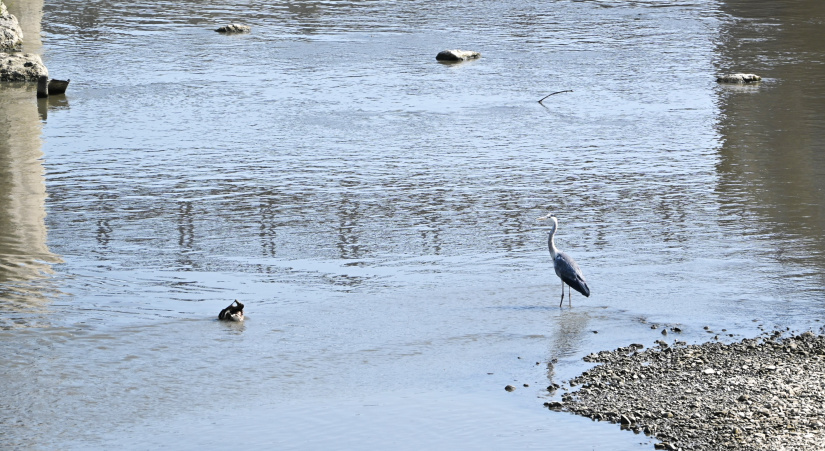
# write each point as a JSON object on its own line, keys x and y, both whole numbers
{"x": 510, "y": 388}
{"x": 757, "y": 393}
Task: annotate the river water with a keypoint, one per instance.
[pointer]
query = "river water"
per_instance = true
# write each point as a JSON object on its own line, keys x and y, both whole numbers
{"x": 376, "y": 212}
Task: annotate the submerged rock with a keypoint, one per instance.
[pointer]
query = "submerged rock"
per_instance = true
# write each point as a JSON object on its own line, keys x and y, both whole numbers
{"x": 11, "y": 35}
{"x": 21, "y": 67}
{"x": 554, "y": 405}
{"x": 457, "y": 55}
{"x": 234, "y": 28}
{"x": 739, "y": 78}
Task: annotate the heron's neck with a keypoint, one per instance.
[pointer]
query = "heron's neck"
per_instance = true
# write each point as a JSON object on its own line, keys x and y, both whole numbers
{"x": 551, "y": 243}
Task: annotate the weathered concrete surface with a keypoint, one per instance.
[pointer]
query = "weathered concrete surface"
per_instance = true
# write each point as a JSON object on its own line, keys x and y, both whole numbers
{"x": 21, "y": 67}
{"x": 11, "y": 35}
{"x": 756, "y": 394}
{"x": 739, "y": 78}
{"x": 457, "y": 55}
{"x": 29, "y": 14}
{"x": 234, "y": 28}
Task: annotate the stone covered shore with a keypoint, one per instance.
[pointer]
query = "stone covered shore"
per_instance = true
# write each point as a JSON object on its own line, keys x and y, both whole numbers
{"x": 764, "y": 393}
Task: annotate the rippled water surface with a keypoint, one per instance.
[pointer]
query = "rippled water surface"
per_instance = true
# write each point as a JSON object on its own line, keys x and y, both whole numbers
{"x": 376, "y": 212}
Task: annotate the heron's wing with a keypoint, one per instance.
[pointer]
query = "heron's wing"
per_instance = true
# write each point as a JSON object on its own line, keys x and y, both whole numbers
{"x": 570, "y": 273}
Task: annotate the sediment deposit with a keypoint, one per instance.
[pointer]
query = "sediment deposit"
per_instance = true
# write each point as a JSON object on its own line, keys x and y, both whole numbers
{"x": 761, "y": 393}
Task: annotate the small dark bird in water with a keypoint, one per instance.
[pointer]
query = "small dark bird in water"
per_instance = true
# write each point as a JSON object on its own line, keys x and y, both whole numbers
{"x": 232, "y": 313}
{"x": 566, "y": 268}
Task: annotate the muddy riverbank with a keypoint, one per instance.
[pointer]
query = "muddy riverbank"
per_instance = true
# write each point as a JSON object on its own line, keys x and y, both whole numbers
{"x": 758, "y": 393}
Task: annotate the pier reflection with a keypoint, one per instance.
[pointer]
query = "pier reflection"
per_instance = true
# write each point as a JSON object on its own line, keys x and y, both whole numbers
{"x": 772, "y": 165}
{"x": 25, "y": 259}
{"x": 29, "y": 14}
{"x": 24, "y": 254}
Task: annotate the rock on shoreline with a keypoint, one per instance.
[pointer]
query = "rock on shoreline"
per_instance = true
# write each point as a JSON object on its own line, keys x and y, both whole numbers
{"x": 762, "y": 393}
{"x": 11, "y": 35}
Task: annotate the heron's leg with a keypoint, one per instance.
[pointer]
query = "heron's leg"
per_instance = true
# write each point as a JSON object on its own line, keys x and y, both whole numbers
{"x": 569, "y": 297}
{"x": 562, "y": 294}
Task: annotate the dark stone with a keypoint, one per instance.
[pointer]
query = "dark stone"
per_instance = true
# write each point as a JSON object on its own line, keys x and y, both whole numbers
{"x": 234, "y": 28}
{"x": 554, "y": 405}
{"x": 457, "y": 55}
{"x": 624, "y": 419}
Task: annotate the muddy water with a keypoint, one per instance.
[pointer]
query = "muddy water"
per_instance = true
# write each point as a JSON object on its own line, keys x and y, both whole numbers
{"x": 375, "y": 210}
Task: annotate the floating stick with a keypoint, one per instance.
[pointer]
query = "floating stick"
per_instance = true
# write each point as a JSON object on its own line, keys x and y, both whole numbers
{"x": 558, "y": 92}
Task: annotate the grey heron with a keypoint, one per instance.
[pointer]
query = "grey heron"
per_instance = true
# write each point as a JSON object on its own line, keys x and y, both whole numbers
{"x": 566, "y": 268}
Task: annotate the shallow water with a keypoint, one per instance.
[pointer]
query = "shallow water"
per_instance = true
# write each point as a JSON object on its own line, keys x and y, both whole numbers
{"x": 376, "y": 212}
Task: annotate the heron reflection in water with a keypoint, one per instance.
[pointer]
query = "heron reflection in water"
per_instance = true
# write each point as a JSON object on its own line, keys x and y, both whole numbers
{"x": 566, "y": 268}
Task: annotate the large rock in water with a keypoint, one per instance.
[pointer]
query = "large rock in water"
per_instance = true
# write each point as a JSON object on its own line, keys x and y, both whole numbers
{"x": 739, "y": 78}
{"x": 234, "y": 28}
{"x": 457, "y": 55}
{"x": 11, "y": 35}
{"x": 21, "y": 67}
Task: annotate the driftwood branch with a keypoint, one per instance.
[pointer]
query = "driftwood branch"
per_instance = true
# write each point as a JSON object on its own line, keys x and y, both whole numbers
{"x": 548, "y": 95}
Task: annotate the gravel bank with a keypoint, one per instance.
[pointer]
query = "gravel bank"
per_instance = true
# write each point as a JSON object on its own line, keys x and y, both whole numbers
{"x": 757, "y": 394}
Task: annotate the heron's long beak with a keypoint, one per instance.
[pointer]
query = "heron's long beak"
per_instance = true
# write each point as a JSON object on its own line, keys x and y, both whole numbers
{"x": 545, "y": 217}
